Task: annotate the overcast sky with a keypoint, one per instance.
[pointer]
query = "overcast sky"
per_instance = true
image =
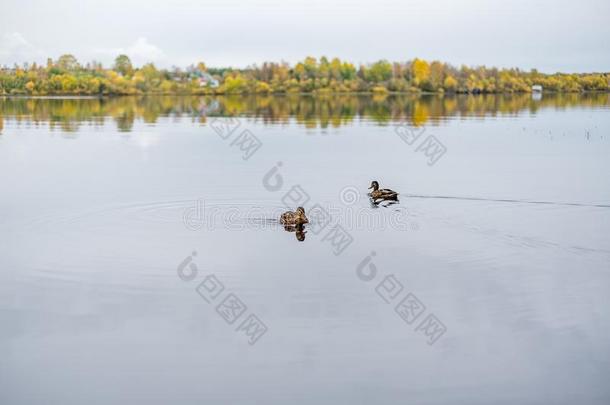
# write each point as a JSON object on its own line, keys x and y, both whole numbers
{"x": 551, "y": 35}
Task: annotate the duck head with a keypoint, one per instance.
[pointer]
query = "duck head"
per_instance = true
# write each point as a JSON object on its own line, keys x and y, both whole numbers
{"x": 301, "y": 218}
{"x": 374, "y": 185}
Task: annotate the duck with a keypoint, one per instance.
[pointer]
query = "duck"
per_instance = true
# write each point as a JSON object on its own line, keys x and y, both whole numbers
{"x": 383, "y": 193}
{"x": 294, "y": 218}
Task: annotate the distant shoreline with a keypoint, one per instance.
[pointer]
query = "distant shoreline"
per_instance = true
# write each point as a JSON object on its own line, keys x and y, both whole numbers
{"x": 296, "y": 94}
{"x": 323, "y": 76}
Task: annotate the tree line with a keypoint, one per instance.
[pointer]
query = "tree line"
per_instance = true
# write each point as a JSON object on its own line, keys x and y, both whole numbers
{"x": 66, "y": 76}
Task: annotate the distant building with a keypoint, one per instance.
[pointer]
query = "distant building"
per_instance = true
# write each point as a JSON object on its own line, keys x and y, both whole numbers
{"x": 536, "y": 88}
{"x": 206, "y": 79}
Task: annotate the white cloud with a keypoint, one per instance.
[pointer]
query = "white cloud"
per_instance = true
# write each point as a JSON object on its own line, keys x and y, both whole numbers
{"x": 14, "y": 48}
{"x": 140, "y": 52}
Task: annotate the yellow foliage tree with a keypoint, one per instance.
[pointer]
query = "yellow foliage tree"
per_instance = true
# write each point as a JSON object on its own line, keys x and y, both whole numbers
{"x": 262, "y": 87}
{"x": 450, "y": 84}
{"x": 421, "y": 70}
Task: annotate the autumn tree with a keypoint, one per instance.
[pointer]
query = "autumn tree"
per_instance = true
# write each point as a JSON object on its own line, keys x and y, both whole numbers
{"x": 379, "y": 72}
{"x": 421, "y": 71}
{"x": 311, "y": 66}
{"x": 436, "y": 75}
{"x": 122, "y": 64}
{"x": 450, "y": 84}
{"x": 67, "y": 62}
{"x": 348, "y": 71}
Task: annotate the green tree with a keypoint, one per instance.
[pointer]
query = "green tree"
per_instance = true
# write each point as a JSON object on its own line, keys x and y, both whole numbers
{"x": 379, "y": 72}
{"x": 122, "y": 64}
{"x": 67, "y": 62}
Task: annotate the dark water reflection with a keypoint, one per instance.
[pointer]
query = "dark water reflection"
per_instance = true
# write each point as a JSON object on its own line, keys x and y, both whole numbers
{"x": 68, "y": 114}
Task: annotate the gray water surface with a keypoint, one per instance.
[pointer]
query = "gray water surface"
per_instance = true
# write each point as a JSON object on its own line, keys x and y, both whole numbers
{"x": 504, "y": 240}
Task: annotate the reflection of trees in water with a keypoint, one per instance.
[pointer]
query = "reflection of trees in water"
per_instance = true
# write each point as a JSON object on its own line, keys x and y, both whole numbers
{"x": 308, "y": 110}
{"x": 125, "y": 120}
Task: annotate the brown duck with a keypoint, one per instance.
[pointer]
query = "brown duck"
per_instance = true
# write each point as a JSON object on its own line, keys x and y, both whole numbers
{"x": 294, "y": 218}
{"x": 382, "y": 193}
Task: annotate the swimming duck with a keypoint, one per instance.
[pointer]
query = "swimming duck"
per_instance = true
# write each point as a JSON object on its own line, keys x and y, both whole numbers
{"x": 383, "y": 193}
{"x": 294, "y": 218}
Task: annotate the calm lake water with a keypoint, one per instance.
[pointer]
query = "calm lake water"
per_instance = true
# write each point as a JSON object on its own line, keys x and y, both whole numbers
{"x": 489, "y": 282}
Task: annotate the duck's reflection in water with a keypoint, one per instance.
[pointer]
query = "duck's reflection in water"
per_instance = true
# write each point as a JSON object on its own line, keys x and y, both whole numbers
{"x": 383, "y": 202}
{"x": 299, "y": 231}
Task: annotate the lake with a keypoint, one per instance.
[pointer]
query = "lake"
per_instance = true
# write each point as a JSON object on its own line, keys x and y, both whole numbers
{"x": 142, "y": 261}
